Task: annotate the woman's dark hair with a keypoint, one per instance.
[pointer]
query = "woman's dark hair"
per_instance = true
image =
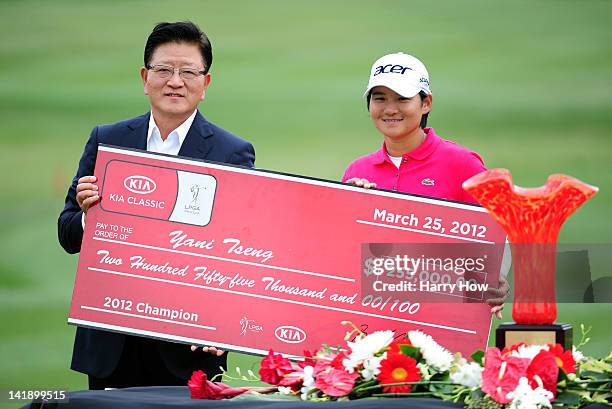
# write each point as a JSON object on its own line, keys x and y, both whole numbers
{"x": 422, "y": 94}
{"x": 179, "y": 32}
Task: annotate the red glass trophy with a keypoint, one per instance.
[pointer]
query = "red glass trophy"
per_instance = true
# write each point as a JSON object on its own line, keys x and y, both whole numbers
{"x": 532, "y": 219}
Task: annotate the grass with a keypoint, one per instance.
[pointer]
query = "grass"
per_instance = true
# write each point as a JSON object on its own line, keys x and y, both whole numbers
{"x": 525, "y": 84}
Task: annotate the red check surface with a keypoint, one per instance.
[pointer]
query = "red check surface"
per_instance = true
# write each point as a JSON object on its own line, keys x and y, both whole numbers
{"x": 248, "y": 260}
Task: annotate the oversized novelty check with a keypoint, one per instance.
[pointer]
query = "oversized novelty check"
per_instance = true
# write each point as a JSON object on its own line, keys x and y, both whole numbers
{"x": 248, "y": 260}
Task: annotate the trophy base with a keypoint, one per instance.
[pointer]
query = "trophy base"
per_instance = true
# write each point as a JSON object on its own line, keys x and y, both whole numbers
{"x": 510, "y": 333}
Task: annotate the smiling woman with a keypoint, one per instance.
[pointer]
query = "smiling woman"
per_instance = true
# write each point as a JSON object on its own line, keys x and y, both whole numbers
{"x": 412, "y": 159}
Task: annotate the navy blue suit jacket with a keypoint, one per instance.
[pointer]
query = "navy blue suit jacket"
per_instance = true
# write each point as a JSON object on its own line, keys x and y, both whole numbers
{"x": 97, "y": 352}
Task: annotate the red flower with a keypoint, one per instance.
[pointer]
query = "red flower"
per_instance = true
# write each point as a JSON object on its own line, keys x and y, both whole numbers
{"x": 201, "y": 388}
{"x": 309, "y": 359}
{"x": 398, "y": 368}
{"x": 565, "y": 360}
{"x": 329, "y": 360}
{"x": 543, "y": 372}
{"x": 394, "y": 347}
{"x": 336, "y": 362}
{"x": 274, "y": 367}
{"x": 293, "y": 379}
{"x": 335, "y": 382}
{"x": 508, "y": 350}
{"x": 501, "y": 374}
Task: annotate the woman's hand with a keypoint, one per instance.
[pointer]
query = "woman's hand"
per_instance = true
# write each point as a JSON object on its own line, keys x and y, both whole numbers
{"x": 500, "y": 294}
{"x": 361, "y": 183}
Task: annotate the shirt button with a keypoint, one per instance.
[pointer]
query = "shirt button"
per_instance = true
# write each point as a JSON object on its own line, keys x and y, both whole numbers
{"x": 394, "y": 187}
{"x": 404, "y": 160}
{"x": 397, "y": 175}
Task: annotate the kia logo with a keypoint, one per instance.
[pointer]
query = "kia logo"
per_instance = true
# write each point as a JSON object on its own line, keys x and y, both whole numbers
{"x": 289, "y": 334}
{"x": 139, "y": 184}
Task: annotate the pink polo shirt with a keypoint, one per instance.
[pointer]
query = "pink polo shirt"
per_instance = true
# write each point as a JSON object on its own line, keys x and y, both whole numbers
{"x": 437, "y": 169}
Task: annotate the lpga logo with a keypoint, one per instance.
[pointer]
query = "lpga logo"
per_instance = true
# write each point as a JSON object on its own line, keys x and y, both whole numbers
{"x": 249, "y": 325}
{"x": 193, "y": 206}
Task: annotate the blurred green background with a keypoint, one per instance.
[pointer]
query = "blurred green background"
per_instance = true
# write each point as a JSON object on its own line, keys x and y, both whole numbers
{"x": 528, "y": 85}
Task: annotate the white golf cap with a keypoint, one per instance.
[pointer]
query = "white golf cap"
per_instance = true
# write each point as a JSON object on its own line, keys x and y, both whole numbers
{"x": 400, "y": 72}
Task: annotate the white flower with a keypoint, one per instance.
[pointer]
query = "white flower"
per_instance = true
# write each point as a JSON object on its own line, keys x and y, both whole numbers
{"x": 424, "y": 369}
{"x": 285, "y": 390}
{"x": 439, "y": 358}
{"x": 529, "y": 351}
{"x": 366, "y": 347}
{"x": 309, "y": 382}
{"x": 578, "y": 356}
{"x": 434, "y": 354}
{"x": 523, "y": 397}
{"x": 467, "y": 374}
{"x": 308, "y": 376}
{"x": 371, "y": 367}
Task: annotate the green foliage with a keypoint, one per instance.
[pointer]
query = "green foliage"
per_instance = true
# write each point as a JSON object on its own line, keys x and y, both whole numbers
{"x": 411, "y": 351}
{"x": 596, "y": 368}
{"x": 591, "y": 383}
{"x": 484, "y": 402}
{"x": 567, "y": 399}
{"x": 442, "y": 388}
{"x": 478, "y": 357}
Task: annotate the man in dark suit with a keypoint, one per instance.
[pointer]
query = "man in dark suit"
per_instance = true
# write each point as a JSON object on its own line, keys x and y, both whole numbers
{"x": 177, "y": 59}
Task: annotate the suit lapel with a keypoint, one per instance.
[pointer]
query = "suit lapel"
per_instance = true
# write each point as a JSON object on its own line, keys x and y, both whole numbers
{"x": 136, "y": 136}
{"x": 198, "y": 142}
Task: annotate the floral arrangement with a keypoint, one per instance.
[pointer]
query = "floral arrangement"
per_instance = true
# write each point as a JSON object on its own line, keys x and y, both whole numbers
{"x": 378, "y": 365}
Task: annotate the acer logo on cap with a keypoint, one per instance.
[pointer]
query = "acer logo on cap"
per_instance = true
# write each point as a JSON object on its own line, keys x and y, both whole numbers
{"x": 390, "y": 69}
{"x": 290, "y": 334}
{"x": 139, "y": 184}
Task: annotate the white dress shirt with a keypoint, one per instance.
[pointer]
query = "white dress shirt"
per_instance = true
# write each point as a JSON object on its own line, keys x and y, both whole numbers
{"x": 173, "y": 142}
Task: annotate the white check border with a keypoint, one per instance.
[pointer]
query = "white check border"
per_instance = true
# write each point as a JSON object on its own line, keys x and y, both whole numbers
{"x": 279, "y": 176}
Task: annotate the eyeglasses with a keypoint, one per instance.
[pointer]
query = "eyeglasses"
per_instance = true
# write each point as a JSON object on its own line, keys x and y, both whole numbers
{"x": 166, "y": 71}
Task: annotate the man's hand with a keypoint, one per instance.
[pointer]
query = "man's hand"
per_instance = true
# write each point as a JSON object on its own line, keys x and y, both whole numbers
{"x": 500, "y": 294}
{"x": 87, "y": 192}
{"x": 361, "y": 182}
{"x": 210, "y": 350}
